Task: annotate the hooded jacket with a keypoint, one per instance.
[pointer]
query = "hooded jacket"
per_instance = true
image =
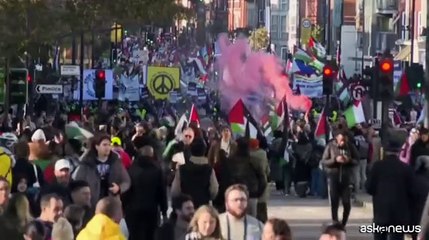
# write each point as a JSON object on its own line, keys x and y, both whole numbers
{"x": 87, "y": 171}
{"x": 101, "y": 227}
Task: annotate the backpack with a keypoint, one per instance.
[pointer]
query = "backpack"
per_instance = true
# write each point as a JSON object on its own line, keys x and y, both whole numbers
{"x": 6, "y": 165}
{"x": 362, "y": 146}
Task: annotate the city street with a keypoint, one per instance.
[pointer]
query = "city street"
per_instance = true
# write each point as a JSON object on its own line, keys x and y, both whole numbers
{"x": 308, "y": 216}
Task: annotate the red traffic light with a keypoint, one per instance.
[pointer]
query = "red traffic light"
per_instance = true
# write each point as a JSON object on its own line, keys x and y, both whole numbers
{"x": 327, "y": 71}
{"x": 101, "y": 75}
{"x": 29, "y": 78}
{"x": 386, "y": 65}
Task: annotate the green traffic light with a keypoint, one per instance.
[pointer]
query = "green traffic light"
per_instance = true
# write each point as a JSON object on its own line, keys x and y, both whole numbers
{"x": 419, "y": 85}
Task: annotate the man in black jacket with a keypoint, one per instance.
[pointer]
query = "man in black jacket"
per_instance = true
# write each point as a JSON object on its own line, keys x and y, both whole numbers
{"x": 176, "y": 227}
{"x": 390, "y": 182}
{"x": 339, "y": 158}
{"x": 147, "y": 194}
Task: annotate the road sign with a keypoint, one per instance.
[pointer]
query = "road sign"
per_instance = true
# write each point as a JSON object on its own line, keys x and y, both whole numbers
{"x": 49, "y": 89}
{"x": 70, "y": 70}
{"x": 306, "y": 23}
{"x": 358, "y": 91}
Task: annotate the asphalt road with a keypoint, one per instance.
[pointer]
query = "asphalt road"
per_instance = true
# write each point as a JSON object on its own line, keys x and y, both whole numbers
{"x": 307, "y": 216}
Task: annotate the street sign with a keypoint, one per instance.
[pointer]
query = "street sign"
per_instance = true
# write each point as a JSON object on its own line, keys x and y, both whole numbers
{"x": 306, "y": 23}
{"x": 70, "y": 70}
{"x": 49, "y": 89}
{"x": 358, "y": 91}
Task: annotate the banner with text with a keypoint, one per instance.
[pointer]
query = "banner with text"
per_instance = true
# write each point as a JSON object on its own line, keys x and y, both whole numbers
{"x": 311, "y": 88}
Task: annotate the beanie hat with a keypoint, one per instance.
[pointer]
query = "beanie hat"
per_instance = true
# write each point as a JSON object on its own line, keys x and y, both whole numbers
{"x": 38, "y": 135}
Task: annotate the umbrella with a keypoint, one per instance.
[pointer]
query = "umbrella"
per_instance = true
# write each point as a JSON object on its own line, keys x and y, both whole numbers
{"x": 73, "y": 131}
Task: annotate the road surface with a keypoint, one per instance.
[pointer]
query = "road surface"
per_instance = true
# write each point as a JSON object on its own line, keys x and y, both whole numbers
{"x": 307, "y": 217}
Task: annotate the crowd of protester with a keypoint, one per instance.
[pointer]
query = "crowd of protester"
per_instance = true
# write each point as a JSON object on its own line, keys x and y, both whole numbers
{"x": 117, "y": 184}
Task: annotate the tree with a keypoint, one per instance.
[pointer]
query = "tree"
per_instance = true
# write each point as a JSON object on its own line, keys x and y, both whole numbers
{"x": 259, "y": 39}
{"x": 27, "y": 26}
{"x": 316, "y": 33}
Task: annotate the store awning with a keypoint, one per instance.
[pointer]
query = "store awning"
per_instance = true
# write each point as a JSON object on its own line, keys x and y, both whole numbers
{"x": 404, "y": 53}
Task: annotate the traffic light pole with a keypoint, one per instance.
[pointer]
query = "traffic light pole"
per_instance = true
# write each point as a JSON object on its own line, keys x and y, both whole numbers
{"x": 426, "y": 122}
{"x": 82, "y": 59}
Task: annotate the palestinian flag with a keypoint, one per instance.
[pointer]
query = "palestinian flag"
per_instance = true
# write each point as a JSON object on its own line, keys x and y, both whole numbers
{"x": 242, "y": 122}
{"x": 193, "y": 116}
{"x": 321, "y": 126}
{"x": 403, "y": 87}
{"x": 277, "y": 115}
{"x": 266, "y": 125}
{"x": 236, "y": 118}
{"x": 354, "y": 114}
{"x": 317, "y": 48}
{"x": 302, "y": 55}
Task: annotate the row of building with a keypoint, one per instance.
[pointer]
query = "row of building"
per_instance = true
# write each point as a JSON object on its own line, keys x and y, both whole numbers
{"x": 361, "y": 27}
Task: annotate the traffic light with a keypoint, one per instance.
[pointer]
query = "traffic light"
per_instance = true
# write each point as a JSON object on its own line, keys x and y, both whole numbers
{"x": 114, "y": 55}
{"x": 18, "y": 89}
{"x": 100, "y": 83}
{"x": 415, "y": 75}
{"x": 385, "y": 78}
{"x": 328, "y": 80}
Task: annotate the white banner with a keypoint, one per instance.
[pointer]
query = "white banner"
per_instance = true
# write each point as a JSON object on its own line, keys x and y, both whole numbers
{"x": 129, "y": 88}
{"x": 308, "y": 88}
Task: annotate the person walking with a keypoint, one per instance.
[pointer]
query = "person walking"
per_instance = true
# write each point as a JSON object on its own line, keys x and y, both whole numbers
{"x": 391, "y": 184}
{"x": 339, "y": 158}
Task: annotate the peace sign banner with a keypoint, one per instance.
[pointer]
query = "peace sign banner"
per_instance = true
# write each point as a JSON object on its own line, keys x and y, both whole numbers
{"x": 162, "y": 80}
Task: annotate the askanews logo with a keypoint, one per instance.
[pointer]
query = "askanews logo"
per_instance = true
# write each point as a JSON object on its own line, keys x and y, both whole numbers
{"x": 374, "y": 228}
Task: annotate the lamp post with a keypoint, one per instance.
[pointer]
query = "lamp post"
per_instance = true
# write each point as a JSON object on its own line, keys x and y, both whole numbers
{"x": 115, "y": 35}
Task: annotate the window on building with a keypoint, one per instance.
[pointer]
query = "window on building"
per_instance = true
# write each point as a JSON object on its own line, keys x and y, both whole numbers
{"x": 283, "y": 27}
{"x": 383, "y": 24}
{"x": 274, "y": 26}
{"x": 404, "y": 20}
{"x": 284, "y": 4}
{"x": 419, "y": 25}
{"x": 261, "y": 15}
{"x": 284, "y": 53}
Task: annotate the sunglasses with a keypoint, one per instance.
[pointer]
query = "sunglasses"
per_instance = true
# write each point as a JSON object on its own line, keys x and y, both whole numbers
{"x": 188, "y": 136}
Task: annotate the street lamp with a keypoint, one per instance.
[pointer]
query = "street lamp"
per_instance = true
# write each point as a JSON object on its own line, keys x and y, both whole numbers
{"x": 115, "y": 35}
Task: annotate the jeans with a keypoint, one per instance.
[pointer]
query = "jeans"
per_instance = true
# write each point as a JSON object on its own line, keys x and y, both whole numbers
{"x": 315, "y": 187}
{"x": 339, "y": 190}
{"x": 287, "y": 177}
{"x": 359, "y": 172}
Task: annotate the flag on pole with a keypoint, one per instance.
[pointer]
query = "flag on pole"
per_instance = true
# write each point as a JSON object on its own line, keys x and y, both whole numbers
{"x": 317, "y": 48}
{"x": 277, "y": 116}
{"x": 403, "y": 88}
{"x": 266, "y": 125}
{"x": 236, "y": 118}
{"x": 193, "y": 117}
{"x": 181, "y": 125}
{"x": 354, "y": 114}
{"x": 321, "y": 126}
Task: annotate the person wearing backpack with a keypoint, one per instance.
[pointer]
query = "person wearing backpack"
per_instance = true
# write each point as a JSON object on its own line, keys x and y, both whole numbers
{"x": 362, "y": 145}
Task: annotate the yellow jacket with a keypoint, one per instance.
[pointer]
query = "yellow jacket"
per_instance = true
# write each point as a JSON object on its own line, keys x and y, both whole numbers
{"x": 6, "y": 165}
{"x": 101, "y": 227}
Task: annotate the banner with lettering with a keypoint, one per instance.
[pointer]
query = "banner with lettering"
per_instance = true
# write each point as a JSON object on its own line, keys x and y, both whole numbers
{"x": 311, "y": 87}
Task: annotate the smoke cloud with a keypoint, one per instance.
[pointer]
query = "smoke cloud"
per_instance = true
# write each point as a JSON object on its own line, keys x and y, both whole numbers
{"x": 255, "y": 77}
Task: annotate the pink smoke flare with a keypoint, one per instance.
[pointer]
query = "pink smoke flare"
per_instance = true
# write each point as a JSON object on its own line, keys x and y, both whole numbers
{"x": 244, "y": 72}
